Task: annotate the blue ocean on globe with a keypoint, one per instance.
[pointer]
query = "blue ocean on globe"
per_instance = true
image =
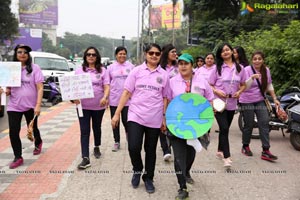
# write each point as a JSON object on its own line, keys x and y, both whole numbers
{"x": 189, "y": 116}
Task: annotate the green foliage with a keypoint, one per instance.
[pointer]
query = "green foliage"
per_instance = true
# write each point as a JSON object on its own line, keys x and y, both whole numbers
{"x": 282, "y": 50}
{"x": 8, "y": 22}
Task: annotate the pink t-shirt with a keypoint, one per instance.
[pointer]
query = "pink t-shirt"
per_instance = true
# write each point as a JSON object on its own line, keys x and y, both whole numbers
{"x": 24, "y": 98}
{"x": 117, "y": 74}
{"x": 199, "y": 86}
{"x": 229, "y": 82}
{"x": 172, "y": 71}
{"x": 98, "y": 82}
{"x": 253, "y": 94}
{"x": 205, "y": 71}
{"x": 147, "y": 88}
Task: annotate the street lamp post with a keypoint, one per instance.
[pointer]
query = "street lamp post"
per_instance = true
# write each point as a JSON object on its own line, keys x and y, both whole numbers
{"x": 123, "y": 38}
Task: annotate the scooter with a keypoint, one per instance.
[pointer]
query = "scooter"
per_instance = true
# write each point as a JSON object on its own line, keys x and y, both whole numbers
{"x": 287, "y": 101}
{"x": 52, "y": 91}
{"x": 294, "y": 124}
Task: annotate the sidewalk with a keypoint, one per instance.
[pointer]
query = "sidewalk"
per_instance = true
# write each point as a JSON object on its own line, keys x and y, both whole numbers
{"x": 53, "y": 174}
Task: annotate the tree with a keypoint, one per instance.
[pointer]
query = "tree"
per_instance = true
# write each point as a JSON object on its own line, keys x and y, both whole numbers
{"x": 8, "y": 22}
{"x": 282, "y": 52}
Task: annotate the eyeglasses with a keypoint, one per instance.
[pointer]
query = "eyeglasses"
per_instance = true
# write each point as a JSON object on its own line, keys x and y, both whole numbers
{"x": 188, "y": 87}
{"x": 91, "y": 54}
{"x": 22, "y": 52}
{"x": 151, "y": 53}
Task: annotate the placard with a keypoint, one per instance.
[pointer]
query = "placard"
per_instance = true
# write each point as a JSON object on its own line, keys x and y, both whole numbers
{"x": 76, "y": 87}
{"x": 10, "y": 74}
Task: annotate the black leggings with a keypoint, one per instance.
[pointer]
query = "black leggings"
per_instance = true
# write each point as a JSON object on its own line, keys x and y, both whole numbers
{"x": 124, "y": 114}
{"x": 224, "y": 120}
{"x": 14, "y": 122}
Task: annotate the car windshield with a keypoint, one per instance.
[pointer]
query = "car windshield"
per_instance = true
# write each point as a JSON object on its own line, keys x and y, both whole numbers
{"x": 52, "y": 64}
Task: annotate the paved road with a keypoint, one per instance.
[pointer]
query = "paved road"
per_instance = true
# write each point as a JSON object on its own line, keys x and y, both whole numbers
{"x": 53, "y": 174}
{"x": 4, "y": 119}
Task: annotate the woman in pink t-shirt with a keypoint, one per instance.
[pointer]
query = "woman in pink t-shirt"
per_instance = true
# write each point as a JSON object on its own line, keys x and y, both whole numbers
{"x": 117, "y": 74}
{"x": 208, "y": 67}
{"x": 168, "y": 62}
{"x": 146, "y": 86}
{"x": 93, "y": 108}
{"x": 185, "y": 154}
{"x": 252, "y": 102}
{"x": 25, "y": 100}
{"x": 228, "y": 82}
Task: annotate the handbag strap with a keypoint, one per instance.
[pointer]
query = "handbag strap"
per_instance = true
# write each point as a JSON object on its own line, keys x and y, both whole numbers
{"x": 258, "y": 83}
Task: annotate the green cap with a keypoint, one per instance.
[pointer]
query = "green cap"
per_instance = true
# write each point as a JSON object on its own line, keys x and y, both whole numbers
{"x": 186, "y": 57}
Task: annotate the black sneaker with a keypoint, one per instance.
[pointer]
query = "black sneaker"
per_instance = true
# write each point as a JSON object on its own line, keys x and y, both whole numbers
{"x": 149, "y": 186}
{"x": 97, "y": 152}
{"x": 182, "y": 194}
{"x": 246, "y": 151}
{"x": 266, "y": 155}
{"x": 135, "y": 181}
{"x": 85, "y": 163}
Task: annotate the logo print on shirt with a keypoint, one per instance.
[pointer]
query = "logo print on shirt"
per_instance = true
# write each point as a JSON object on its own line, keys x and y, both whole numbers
{"x": 159, "y": 80}
{"x": 98, "y": 76}
{"x": 197, "y": 89}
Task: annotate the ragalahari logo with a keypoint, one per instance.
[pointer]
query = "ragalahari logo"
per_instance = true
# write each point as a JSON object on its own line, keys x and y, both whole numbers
{"x": 246, "y": 8}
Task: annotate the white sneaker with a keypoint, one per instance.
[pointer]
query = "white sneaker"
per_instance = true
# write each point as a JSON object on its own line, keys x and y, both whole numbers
{"x": 219, "y": 155}
{"x": 167, "y": 157}
{"x": 227, "y": 162}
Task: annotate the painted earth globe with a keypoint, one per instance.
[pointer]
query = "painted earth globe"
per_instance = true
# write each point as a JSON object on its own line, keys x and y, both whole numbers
{"x": 189, "y": 116}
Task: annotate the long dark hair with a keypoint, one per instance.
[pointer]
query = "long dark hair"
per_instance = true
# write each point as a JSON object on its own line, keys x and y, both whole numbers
{"x": 28, "y": 62}
{"x": 98, "y": 63}
{"x": 220, "y": 61}
{"x": 165, "y": 55}
{"x": 242, "y": 56}
{"x": 263, "y": 71}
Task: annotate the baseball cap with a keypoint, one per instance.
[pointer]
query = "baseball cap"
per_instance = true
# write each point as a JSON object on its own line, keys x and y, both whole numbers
{"x": 186, "y": 57}
{"x": 28, "y": 49}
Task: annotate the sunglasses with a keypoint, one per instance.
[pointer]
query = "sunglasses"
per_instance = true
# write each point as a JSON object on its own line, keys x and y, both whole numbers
{"x": 151, "y": 53}
{"x": 91, "y": 54}
{"x": 22, "y": 52}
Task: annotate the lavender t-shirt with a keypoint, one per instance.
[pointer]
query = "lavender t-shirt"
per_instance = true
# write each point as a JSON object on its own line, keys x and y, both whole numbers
{"x": 147, "y": 88}
{"x": 199, "y": 86}
{"x": 117, "y": 74}
{"x": 205, "y": 71}
{"x": 229, "y": 82}
{"x": 98, "y": 82}
{"x": 253, "y": 94}
{"x": 172, "y": 71}
{"x": 24, "y": 98}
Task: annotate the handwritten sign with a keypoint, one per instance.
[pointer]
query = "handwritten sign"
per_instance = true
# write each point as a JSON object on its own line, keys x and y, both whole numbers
{"x": 76, "y": 87}
{"x": 10, "y": 74}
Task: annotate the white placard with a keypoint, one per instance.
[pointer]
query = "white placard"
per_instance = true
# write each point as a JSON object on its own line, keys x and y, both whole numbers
{"x": 3, "y": 97}
{"x": 10, "y": 74}
{"x": 79, "y": 108}
{"x": 76, "y": 87}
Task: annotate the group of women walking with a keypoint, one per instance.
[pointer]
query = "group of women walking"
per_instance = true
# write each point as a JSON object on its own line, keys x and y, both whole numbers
{"x": 139, "y": 96}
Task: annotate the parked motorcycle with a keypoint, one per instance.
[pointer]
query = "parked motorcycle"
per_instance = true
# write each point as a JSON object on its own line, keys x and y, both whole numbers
{"x": 52, "y": 91}
{"x": 294, "y": 124}
{"x": 287, "y": 101}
